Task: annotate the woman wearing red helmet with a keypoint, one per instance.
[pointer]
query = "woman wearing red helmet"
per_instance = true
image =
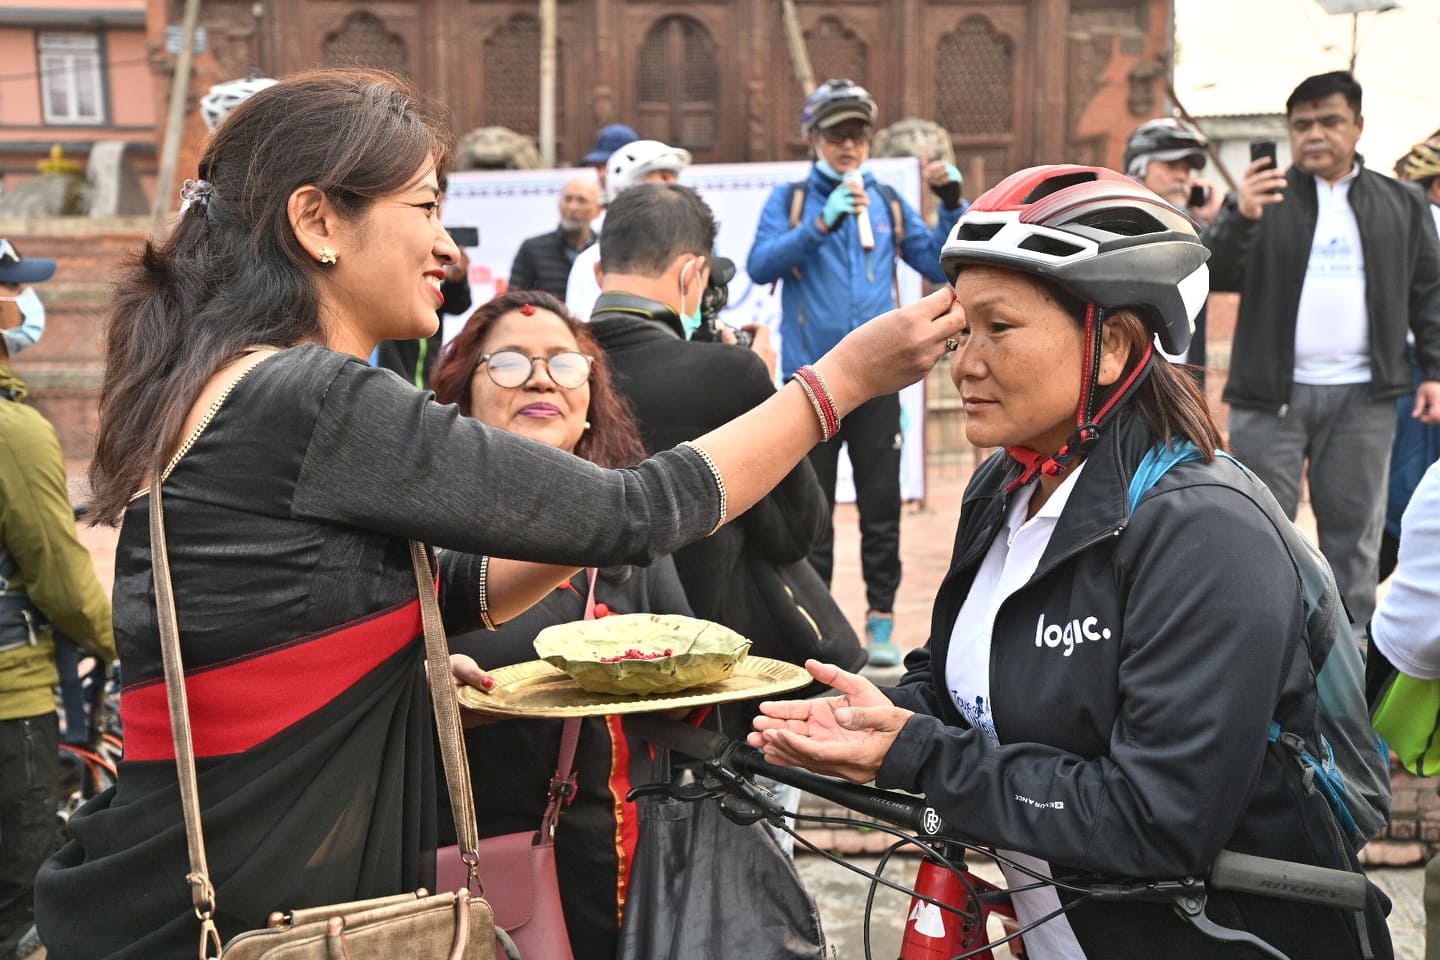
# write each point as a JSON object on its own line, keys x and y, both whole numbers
{"x": 1100, "y": 678}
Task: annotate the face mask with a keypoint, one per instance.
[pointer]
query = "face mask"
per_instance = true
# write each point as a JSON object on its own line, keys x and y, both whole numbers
{"x": 32, "y": 322}
{"x": 828, "y": 170}
{"x": 689, "y": 324}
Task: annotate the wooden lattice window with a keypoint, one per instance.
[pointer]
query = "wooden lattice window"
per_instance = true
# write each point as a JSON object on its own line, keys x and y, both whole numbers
{"x": 362, "y": 40}
{"x": 975, "y": 80}
{"x": 836, "y": 53}
{"x": 678, "y": 84}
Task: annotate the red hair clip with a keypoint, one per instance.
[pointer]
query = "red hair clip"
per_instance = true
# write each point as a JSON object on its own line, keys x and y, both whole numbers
{"x": 528, "y": 309}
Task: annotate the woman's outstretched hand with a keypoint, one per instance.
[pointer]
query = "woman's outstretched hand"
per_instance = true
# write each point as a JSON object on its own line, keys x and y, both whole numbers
{"x": 892, "y": 350}
{"x": 846, "y": 736}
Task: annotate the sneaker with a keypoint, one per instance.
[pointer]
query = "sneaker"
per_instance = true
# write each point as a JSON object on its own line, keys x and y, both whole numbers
{"x": 882, "y": 649}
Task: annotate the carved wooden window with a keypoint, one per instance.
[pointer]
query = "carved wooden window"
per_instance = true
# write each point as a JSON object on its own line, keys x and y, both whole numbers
{"x": 362, "y": 40}
{"x": 678, "y": 84}
{"x": 512, "y": 77}
{"x": 975, "y": 80}
{"x": 836, "y": 53}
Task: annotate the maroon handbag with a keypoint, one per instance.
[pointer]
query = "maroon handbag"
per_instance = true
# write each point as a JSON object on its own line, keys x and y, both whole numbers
{"x": 517, "y": 870}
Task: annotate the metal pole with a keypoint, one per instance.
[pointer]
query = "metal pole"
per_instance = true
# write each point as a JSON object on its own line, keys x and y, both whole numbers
{"x": 547, "y": 82}
{"x": 799, "y": 56}
{"x": 175, "y": 123}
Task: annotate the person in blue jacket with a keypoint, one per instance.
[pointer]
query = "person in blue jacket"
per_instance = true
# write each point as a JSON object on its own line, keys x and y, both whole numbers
{"x": 837, "y": 274}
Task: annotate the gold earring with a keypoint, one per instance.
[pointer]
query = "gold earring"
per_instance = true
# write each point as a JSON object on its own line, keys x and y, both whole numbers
{"x": 328, "y": 255}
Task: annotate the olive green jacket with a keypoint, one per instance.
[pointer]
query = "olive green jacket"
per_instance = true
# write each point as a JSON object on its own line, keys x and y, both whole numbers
{"x": 37, "y": 529}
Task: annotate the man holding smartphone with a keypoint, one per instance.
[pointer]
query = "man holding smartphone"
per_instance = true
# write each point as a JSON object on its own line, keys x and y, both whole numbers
{"x": 1166, "y": 156}
{"x": 1335, "y": 264}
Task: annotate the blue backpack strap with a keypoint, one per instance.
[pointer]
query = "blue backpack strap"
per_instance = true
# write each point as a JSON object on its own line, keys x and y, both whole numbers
{"x": 1155, "y": 464}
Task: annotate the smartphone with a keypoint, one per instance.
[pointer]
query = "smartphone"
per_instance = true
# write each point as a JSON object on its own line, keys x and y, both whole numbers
{"x": 464, "y": 236}
{"x": 1199, "y": 196}
{"x": 1262, "y": 147}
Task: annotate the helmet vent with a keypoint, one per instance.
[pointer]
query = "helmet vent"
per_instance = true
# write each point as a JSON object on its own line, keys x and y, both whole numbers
{"x": 1050, "y": 246}
{"x": 1058, "y": 183}
{"x": 978, "y": 232}
{"x": 1126, "y": 221}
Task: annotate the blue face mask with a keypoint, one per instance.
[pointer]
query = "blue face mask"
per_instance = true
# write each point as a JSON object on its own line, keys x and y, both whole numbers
{"x": 689, "y": 324}
{"x": 32, "y": 322}
{"x": 831, "y": 172}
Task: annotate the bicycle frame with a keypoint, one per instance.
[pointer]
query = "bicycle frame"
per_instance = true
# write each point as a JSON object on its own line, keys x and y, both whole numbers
{"x": 730, "y": 764}
{"x": 933, "y": 932}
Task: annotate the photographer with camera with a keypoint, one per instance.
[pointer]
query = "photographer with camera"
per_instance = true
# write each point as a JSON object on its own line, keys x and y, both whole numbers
{"x": 752, "y": 575}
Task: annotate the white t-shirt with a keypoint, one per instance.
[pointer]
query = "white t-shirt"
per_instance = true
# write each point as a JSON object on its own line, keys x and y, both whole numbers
{"x": 582, "y": 289}
{"x": 1406, "y": 627}
{"x": 1008, "y": 566}
{"x": 1332, "y": 324}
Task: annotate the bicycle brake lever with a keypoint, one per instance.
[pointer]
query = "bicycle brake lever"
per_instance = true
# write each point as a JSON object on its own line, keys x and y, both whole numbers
{"x": 1192, "y": 908}
{"x": 688, "y": 792}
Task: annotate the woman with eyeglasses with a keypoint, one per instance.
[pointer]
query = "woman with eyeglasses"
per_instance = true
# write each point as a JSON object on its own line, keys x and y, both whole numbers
{"x": 293, "y": 475}
{"x": 523, "y": 364}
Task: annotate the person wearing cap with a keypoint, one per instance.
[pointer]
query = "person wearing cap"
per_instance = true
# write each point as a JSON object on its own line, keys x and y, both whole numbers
{"x": 1166, "y": 156}
{"x": 607, "y": 141}
{"x": 1334, "y": 263}
{"x": 656, "y": 263}
{"x": 544, "y": 261}
{"x": 46, "y": 578}
{"x": 640, "y": 161}
{"x": 833, "y": 241}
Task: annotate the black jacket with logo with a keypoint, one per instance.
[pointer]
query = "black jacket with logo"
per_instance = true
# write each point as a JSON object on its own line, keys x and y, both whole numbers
{"x": 1134, "y": 679}
{"x": 1266, "y": 260}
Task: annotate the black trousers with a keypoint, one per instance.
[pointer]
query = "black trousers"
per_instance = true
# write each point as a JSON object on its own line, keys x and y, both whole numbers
{"x": 29, "y": 766}
{"x": 873, "y": 433}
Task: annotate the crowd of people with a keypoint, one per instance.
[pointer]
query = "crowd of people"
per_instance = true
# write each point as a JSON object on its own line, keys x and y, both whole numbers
{"x": 1106, "y": 658}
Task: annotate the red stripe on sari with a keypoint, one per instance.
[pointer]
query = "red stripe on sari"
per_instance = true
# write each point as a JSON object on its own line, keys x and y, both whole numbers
{"x": 240, "y": 703}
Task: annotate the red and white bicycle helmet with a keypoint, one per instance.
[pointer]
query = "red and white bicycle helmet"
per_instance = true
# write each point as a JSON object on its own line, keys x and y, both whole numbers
{"x": 1095, "y": 233}
{"x": 1109, "y": 242}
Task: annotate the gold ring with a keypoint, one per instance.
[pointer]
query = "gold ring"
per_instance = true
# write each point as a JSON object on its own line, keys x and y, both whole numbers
{"x": 951, "y": 344}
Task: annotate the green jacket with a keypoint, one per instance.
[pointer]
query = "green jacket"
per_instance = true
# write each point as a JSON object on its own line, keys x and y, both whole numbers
{"x": 37, "y": 529}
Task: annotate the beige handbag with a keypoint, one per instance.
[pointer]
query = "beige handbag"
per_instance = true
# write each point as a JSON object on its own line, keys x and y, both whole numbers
{"x": 452, "y": 925}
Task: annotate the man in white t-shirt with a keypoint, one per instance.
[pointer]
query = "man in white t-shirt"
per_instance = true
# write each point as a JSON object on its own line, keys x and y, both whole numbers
{"x": 1335, "y": 264}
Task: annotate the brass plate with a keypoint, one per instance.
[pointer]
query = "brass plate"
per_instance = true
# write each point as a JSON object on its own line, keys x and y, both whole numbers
{"x": 536, "y": 689}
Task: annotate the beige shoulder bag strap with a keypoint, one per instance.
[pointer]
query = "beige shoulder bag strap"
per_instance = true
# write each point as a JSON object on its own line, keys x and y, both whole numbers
{"x": 442, "y": 697}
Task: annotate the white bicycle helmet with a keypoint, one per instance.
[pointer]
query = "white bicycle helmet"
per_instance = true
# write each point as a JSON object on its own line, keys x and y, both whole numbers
{"x": 631, "y": 163}
{"x": 224, "y": 97}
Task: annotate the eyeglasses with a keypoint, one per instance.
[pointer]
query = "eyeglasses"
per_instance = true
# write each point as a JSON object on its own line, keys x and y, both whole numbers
{"x": 836, "y": 136}
{"x": 511, "y": 368}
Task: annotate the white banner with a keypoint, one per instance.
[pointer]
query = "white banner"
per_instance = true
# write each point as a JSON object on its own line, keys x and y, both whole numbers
{"x": 508, "y": 206}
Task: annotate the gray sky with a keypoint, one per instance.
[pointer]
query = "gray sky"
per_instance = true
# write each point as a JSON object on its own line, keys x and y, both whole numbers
{"x": 1245, "y": 56}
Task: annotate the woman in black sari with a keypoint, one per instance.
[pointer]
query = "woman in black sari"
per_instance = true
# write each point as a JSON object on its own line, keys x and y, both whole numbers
{"x": 293, "y": 476}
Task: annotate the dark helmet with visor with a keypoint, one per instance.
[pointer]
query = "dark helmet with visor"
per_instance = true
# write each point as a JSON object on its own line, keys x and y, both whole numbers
{"x": 1105, "y": 240}
{"x": 835, "y": 101}
{"x": 1164, "y": 139}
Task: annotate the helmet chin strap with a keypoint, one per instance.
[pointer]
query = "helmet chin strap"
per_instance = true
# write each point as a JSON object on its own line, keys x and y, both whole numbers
{"x": 1087, "y": 418}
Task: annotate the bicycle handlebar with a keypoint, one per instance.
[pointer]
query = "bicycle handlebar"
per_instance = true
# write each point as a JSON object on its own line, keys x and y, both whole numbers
{"x": 1238, "y": 872}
